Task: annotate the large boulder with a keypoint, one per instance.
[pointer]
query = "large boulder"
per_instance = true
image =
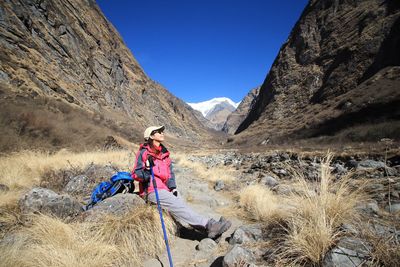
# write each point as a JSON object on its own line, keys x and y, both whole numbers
{"x": 117, "y": 205}
{"x": 47, "y": 201}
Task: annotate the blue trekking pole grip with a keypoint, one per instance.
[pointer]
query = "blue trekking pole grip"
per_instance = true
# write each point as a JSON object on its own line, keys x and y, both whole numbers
{"x": 160, "y": 211}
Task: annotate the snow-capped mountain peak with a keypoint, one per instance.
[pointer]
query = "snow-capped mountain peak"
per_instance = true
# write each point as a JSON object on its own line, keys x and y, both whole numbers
{"x": 206, "y": 106}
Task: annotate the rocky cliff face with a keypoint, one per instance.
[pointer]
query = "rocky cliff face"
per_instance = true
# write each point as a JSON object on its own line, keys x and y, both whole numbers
{"x": 337, "y": 74}
{"x": 61, "y": 60}
{"x": 237, "y": 117}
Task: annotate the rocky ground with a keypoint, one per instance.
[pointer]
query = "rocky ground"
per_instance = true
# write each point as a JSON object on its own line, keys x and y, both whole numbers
{"x": 246, "y": 243}
{"x": 277, "y": 171}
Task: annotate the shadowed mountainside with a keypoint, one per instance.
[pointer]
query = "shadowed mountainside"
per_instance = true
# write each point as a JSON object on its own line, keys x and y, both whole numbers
{"x": 337, "y": 75}
{"x": 67, "y": 79}
{"x": 236, "y": 117}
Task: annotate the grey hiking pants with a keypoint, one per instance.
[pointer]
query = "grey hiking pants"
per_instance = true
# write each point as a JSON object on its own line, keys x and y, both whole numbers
{"x": 178, "y": 208}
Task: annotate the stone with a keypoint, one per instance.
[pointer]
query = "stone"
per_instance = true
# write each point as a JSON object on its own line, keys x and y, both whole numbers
{"x": 369, "y": 208}
{"x": 117, "y": 205}
{"x": 246, "y": 233}
{"x": 369, "y": 163}
{"x": 47, "y": 201}
{"x": 375, "y": 187}
{"x": 78, "y": 185}
{"x": 339, "y": 169}
{"x": 397, "y": 168}
{"x": 393, "y": 208}
{"x": 4, "y": 76}
{"x": 206, "y": 245}
{"x": 391, "y": 171}
{"x": 283, "y": 190}
{"x": 373, "y": 206}
{"x": 280, "y": 172}
{"x": 347, "y": 253}
{"x": 111, "y": 143}
{"x": 219, "y": 185}
{"x": 269, "y": 181}
{"x": 352, "y": 163}
{"x": 238, "y": 256}
{"x": 349, "y": 229}
{"x": 284, "y": 157}
{"x": 4, "y": 188}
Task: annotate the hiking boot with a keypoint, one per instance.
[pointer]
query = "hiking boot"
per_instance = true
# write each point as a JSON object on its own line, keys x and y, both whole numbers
{"x": 216, "y": 229}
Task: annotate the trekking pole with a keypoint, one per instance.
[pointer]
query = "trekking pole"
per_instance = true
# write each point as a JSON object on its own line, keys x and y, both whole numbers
{"x": 160, "y": 211}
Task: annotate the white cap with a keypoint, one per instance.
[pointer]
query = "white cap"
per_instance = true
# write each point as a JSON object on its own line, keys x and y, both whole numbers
{"x": 150, "y": 129}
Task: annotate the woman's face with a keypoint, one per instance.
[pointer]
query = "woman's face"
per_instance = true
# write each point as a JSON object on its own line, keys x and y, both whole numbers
{"x": 158, "y": 136}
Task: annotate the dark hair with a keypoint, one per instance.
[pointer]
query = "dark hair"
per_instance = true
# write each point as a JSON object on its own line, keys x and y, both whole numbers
{"x": 149, "y": 142}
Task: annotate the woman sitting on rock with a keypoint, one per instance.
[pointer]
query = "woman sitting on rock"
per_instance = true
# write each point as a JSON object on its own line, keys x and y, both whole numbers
{"x": 165, "y": 179}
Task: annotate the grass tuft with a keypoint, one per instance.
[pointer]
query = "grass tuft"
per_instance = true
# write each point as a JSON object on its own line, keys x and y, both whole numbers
{"x": 314, "y": 225}
{"x": 137, "y": 234}
{"x": 262, "y": 204}
{"x": 310, "y": 216}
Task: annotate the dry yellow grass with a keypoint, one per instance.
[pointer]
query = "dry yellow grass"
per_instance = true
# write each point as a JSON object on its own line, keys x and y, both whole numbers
{"x": 137, "y": 234}
{"x": 116, "y": 241}
{"x": 313, "y": 226}
{"x": 50, "y": 242}
{"x": 24, "y": 169}
{"x": 262, "y": 204}
{"x": 213, "y": 174}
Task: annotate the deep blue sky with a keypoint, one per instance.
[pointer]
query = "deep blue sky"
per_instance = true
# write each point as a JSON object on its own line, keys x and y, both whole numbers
{"x": 201, "y": 49}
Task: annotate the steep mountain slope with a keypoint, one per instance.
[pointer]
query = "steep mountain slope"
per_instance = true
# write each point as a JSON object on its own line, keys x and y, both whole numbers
{"x": 337, "y": 74}
{"x": 236, "y": 118}
{"x": 67, "y": 78}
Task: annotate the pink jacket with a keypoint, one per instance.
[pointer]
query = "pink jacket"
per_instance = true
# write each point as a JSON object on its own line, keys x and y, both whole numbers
{"x": 162, "y": 169}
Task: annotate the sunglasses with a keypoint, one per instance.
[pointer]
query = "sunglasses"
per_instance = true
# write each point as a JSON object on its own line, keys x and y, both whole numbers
{"x": 157, "y": 131}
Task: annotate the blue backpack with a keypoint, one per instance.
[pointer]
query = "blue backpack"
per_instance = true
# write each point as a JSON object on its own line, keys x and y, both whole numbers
{"x": 121, "y": 182}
